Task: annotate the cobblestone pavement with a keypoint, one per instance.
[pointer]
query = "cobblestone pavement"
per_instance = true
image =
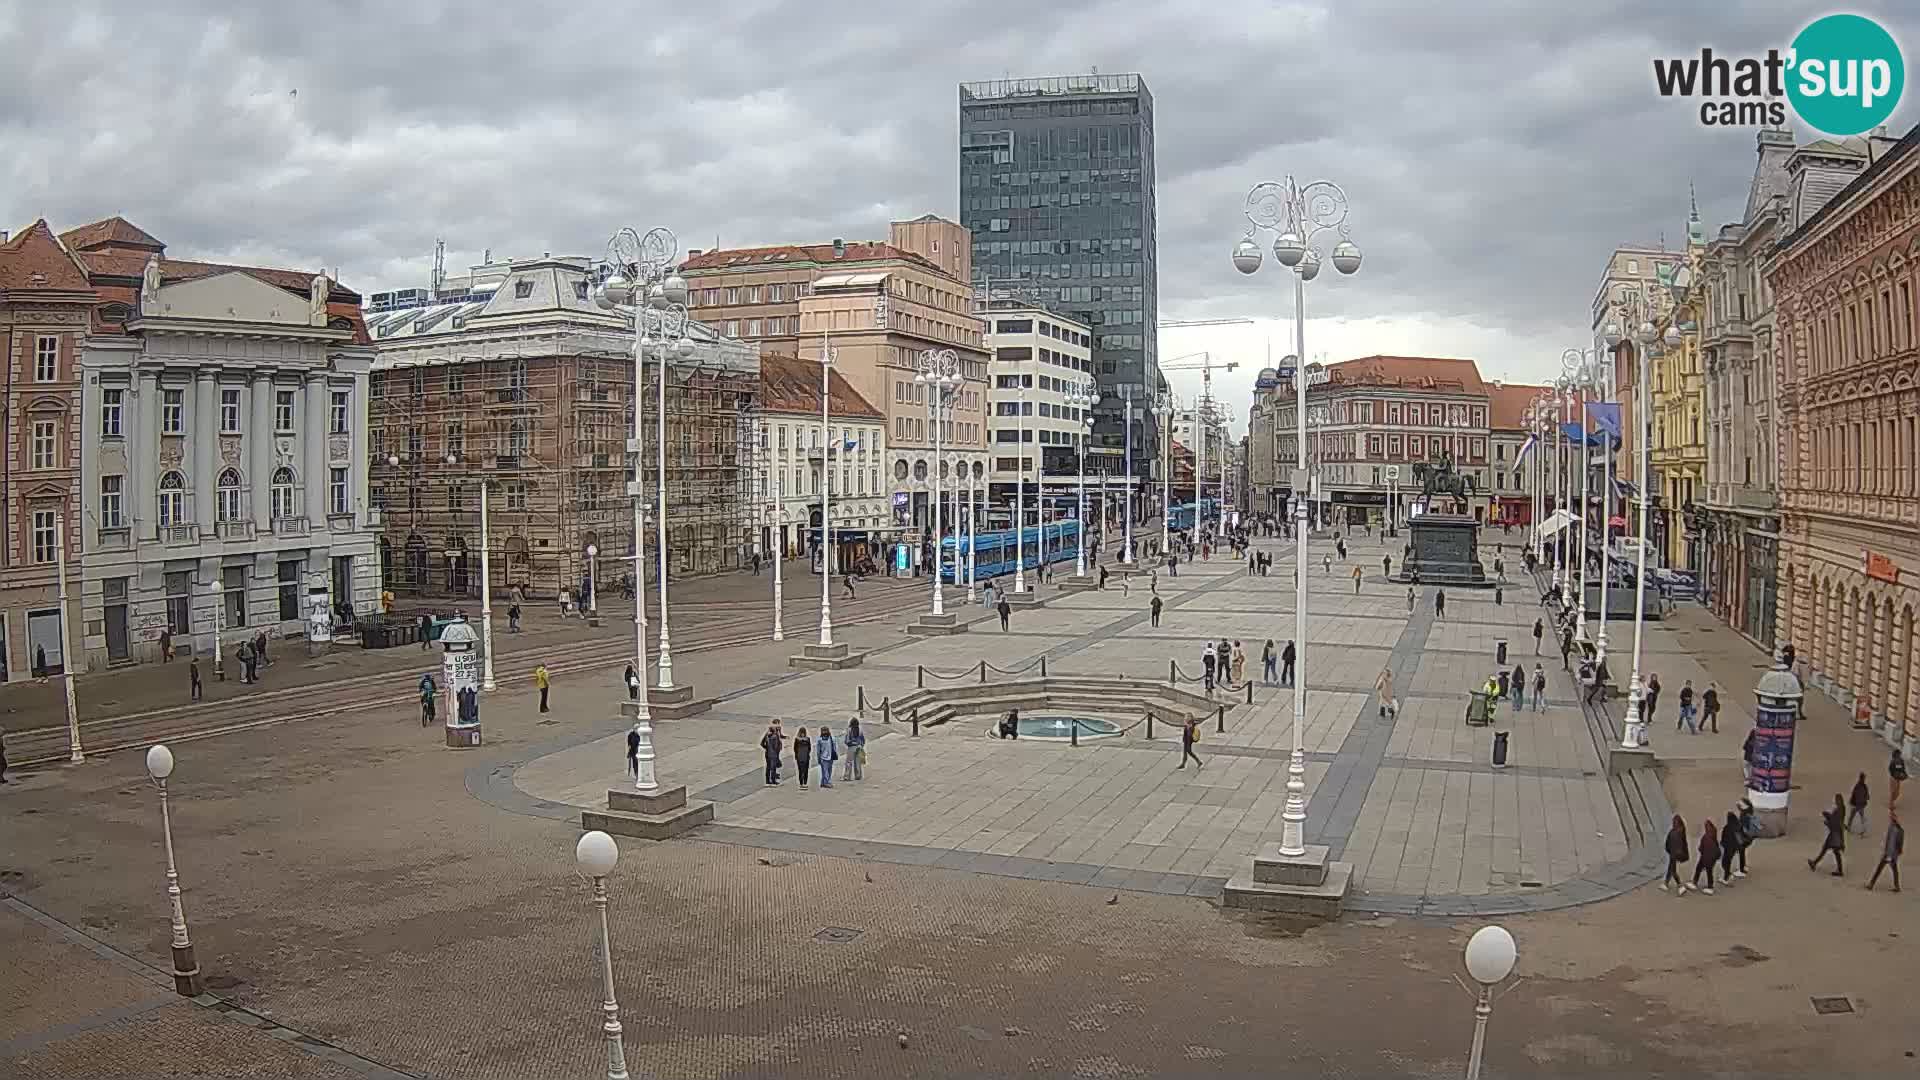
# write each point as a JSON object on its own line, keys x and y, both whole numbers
{"x": 343, "y": 881}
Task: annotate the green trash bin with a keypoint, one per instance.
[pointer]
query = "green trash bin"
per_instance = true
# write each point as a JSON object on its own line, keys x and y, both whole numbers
{"x": 1479, "y": 708}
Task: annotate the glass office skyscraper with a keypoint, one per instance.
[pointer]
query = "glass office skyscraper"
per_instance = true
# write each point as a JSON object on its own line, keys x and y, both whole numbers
{"x": 1056, "y": 183}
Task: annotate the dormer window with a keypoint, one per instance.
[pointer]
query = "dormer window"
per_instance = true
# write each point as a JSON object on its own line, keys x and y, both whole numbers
{"x": 523, "y": 288}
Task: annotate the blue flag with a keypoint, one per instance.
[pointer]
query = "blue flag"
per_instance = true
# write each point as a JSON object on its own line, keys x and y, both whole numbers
{"x": 1606, "y": 417}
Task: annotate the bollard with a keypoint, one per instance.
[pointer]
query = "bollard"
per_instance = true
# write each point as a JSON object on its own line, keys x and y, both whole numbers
{"x": 1249, "y": 691}
{"x": 1173, "y": 672}
{"x": 860, "y": 700}
{"x": 886, "y": 710}
{"x": 983, "y": 671}
{"x": 1043, "y": 666}
{"x": 1220, "y": 723}
{"x": 919, "y": 677}
{"x": 1073, "y": 731}
{"x": 915, "y": 719}
{"x": 1149, "y": 725}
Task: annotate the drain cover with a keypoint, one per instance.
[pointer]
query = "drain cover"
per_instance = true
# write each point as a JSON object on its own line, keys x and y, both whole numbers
{"x": 840, "y": 935}
{"x": 1830, "y": 1006}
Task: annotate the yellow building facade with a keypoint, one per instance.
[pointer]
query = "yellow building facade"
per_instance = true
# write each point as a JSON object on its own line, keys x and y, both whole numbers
{"x": 1678, "y": 403}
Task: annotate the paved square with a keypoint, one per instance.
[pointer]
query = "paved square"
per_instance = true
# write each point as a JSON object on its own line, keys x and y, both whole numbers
{"x": 1413, "y": 801}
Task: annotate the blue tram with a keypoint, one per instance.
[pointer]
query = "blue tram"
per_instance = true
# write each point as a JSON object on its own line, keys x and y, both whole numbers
{"x": 994, "y": 552}
{"x": 1180, "y": 518}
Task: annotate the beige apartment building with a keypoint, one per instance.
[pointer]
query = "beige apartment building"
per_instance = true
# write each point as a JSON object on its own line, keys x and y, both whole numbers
{"x": 879, "y": 306}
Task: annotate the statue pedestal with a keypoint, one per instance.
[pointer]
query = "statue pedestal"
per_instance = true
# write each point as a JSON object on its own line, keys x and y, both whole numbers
{"x": 1445, "y": 552}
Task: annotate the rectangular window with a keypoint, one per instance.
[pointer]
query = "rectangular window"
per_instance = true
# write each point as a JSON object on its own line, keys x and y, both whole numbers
{"x": 283, "y": 411}
{"x": 43, "y": 536}
{"x": 43, "y": 441}
{"x": 46, "y": 358}
{"x": 289, "y": 590}
{"x": 112, "y": 399}
{"x": 516, "y": 495}
{"x": 753, "y": 327}
{"x": 337, "y": 412}
{"x": 337, "y": 493}
{"x": 179, "y": 587}
{"x": 173, "y": 412}
{"x": 229, "y": 412}
{"x": 233, "y": 595}
{"x": 112, "y": 504}
{"x": 733, "y": 294}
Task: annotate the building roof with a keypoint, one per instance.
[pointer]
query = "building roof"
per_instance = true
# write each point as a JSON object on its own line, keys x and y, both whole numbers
{"x": 780, "y": 255}
{"x": 115, "y": 231}
{"x": 1807, "y": 223}
{"x": 35, "y": 259}
{"x": 1509, "y": 404}
{"x": 1414, "y": 372}
{"x": 789, "y": 384}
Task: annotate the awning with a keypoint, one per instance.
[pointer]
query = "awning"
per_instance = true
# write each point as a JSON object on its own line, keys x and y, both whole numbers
{"x": 1559, "y": 520}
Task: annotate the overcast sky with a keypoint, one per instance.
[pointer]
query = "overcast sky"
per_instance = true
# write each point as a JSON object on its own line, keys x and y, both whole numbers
{"x": 1493, "y": 152}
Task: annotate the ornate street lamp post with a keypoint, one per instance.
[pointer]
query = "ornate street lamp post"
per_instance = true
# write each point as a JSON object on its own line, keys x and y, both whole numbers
{"x": 939, "y": 371}
{"x": 827, "y": 355}
{"x": 186, "y": 969}
{"x": 1164, "y": 411}
{"x": 1082, "y": 399}
{"x": 595, "y": 854}
{"x": 1299, "y": 215}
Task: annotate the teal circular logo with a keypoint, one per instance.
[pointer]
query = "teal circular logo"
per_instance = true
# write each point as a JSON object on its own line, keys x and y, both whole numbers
{"x": 1845, "y": 74}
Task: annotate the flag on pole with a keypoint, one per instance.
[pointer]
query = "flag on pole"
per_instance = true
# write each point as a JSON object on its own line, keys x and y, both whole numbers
{"x": 1524, "y": 448}
{"x": 1606, "y": 418}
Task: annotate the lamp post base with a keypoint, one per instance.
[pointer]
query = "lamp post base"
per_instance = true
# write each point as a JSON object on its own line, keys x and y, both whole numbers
{"x": 463, "y": 737}
{"x": 186, "y": 972}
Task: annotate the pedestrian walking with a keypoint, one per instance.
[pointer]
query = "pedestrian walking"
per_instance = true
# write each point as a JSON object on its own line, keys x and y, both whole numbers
{"x": 1890, "y": 852}
{"x": 245, "y": 655}
{"x": 1440, "y": 603}
{"x": 513, "y": 618}
{"x": 826, "y": 753}
{"x": 1651, "y": 704}
{"x": 1746, "y": 757}
{"x": 1732, "y": 840}
{"x": 770, "y": 748}
{"x": 1006, "y": 613}
{"x": 1327, "y": 561}
{"x": 1383, "y": 689}
{"x": 1207, "y": 664}
{"x": 856, "y": 746}
{"x": 1678, "y": 851}
{"x": 1686, "y": 709}
{"x": 1155, "y": 608}
{"x": 193, "y": 679}
{"x": 1539, "y": 688}
{"x": 427, "y": 692}
{"x": 1749, "y": 832}
{"x": 633, "y": 683}
{"x": 1710, "y": 701}
{"x": 543, "y": 682}
{"x": 1709, "y": 855}
{"x": 1566, "y": 649}
{"x": 802, "y": 755}
{"x": 846, "y": 582}
{"x": 1836, "y": 840}
{"x": 633, "y": 752}
{"x": 1410, "y": 599}
{"x": 260, "y": 649}
{"x": 1896, "y": 776}
{"x": 1287, "y": 656}
{"x": 166, "y": 645}
{"x": 1356, "y": 581}
{"x": 1519, "y": 684}
{"x": 1539, "y": 628}
{"x": 1239, "y": 664}
{"x": 1505, "y": 683}
{"x": 1270, "y": 663}
{"x": 1190, "y": 734}
{"x": 1857, "y": 805}
{"x": 1386, "y": 567}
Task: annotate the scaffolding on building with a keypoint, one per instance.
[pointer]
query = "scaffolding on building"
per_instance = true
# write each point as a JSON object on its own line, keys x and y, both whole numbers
{"x": 543, "y": 417}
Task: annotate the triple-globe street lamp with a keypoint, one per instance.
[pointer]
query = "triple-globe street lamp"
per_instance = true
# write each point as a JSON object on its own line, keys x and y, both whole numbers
{"x": 1645, "y": 341}
{"x": 938, "y": 370}
{"x": 1082, "y": 399}
{"x": 1300, "y": 215}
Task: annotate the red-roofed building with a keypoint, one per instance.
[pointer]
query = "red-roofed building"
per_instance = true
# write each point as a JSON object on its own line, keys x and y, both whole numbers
{"x": 1514, "y": 478}
{"x": 1371, "y": 420}
{"x": 225, "y": 444}
{"x": 790, "y": 438}
{"x": 44, "y": 301}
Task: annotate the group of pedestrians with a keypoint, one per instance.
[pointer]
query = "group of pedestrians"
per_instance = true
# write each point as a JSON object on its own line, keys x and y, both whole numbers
{"x": 1719, "y": 847}
{"x": 819, "y": 750}
{"x": 1845, "y": 816}
{"x": 1225, "y": 663}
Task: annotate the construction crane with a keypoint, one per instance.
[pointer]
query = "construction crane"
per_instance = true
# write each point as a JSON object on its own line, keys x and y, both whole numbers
{"x": 1203, "y": 414}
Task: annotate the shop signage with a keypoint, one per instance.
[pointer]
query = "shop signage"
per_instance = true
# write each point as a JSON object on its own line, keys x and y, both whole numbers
{"x": 1881, "y": 568}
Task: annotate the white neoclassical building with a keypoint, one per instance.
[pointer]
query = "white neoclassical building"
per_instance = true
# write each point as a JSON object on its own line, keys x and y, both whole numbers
{"x": 224, "y": 442}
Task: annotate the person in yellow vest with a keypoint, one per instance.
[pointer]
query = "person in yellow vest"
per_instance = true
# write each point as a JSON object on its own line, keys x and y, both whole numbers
{"x": 386, "y": 602}
{"x": 543, "y": 681}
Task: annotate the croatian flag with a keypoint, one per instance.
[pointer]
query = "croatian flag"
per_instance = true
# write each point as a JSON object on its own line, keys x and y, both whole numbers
{"x": 1524, "y": 448}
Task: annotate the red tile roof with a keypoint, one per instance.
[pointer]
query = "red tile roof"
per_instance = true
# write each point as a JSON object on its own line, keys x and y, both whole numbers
{"x": 35, "y": 259}
{"x": 1509, "y": 404}
{"x": 115, "y": 231}
{"x": 1416, "y": 372}
{"x": 789, "y": 384}
{"x": 768, "y": 258}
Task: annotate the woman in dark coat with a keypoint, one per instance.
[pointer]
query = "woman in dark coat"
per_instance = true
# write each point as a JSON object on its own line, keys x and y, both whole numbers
{"x": 1709, "y": 855}
{"x": 1836, "y": 841}
{"x": 1677, "y": 853}
{"x": 802, "y": 754}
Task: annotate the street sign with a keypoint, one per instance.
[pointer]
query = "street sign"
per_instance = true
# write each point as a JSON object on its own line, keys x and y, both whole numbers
{"x": 1393, "y": 473}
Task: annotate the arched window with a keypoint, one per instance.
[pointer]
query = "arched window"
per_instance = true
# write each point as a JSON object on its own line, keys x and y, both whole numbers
{"x": 227, "y": 508}
{"x": 173, "y": 499}
{"x": 282, "y": 493}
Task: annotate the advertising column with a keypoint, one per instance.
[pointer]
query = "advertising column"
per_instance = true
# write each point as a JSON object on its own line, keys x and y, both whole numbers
{"x": 460, "y": 667}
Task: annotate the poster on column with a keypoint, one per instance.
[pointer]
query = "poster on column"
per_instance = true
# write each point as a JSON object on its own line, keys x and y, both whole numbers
{"x": 319, "y": 616}
{"x": 461, "y": 667}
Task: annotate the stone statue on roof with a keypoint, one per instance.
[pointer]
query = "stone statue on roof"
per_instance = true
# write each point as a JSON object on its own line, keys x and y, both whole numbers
{"x": 317, "y": 300}
{"x": 150, "y": 283}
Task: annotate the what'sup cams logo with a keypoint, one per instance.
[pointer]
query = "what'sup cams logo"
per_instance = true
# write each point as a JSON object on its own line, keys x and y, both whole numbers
{"x": 1843, "y": 74}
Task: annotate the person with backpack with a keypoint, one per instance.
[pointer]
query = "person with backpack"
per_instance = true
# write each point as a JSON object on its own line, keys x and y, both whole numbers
{"x": 1889, "y": 853}
{"x": 1539, "y": 688}
{"x": 632, "y": 679}
{"x": 1896, "y": 776}
{"x": 1836, "y": 840}
{"x": 1270, "y": 663}
{"x": 427, "y": 692}
{"x": 1539, "y": 629}
{"x": 825, "y": 753}
{"x": 1287, "y": 656}
{"x": 1857, "y": 805}
{"x": 1710, "y": 702}
{"x": 1208, "y": 664}
{"x": 1189, "y": 735}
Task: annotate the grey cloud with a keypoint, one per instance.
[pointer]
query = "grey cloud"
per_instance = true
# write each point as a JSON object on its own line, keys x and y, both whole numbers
{"x": 1493, "y": 152}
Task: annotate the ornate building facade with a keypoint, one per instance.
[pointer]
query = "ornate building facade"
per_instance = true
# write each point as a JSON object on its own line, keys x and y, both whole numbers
{"x": 1845, "y": 285}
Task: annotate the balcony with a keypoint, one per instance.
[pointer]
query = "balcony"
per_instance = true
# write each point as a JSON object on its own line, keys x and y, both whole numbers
{"x": 179, "y": 535}
{"x": 116, "y": 538}
{"x": 234, "y": 530}
{"x": 291, "y": 526}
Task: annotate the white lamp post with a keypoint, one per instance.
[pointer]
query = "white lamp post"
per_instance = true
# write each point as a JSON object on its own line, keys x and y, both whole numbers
{"x": 1634, "y": 731}
{"x": 1020, "y": 492}
{"x": 1299, "y": 215}
{"x": 972, "y": 522}
{"x": 219, "y": 612}
{"x": 595, "y": 854}
{"x": 939, "y": 371}
{"x": 593, "y": 583}
{"x": 1165, "y": 411}
{"x": 1082, "y": 399}
{"x": 1126, "y": 541}
{"x": 1490, "y": 957}
{"x": 186, "y": 970}
{"x": 776, "y": 527}
{"x": 487, "y": 682}
{"x": 827, "y": 354}
{"x": 74, "y": 753}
